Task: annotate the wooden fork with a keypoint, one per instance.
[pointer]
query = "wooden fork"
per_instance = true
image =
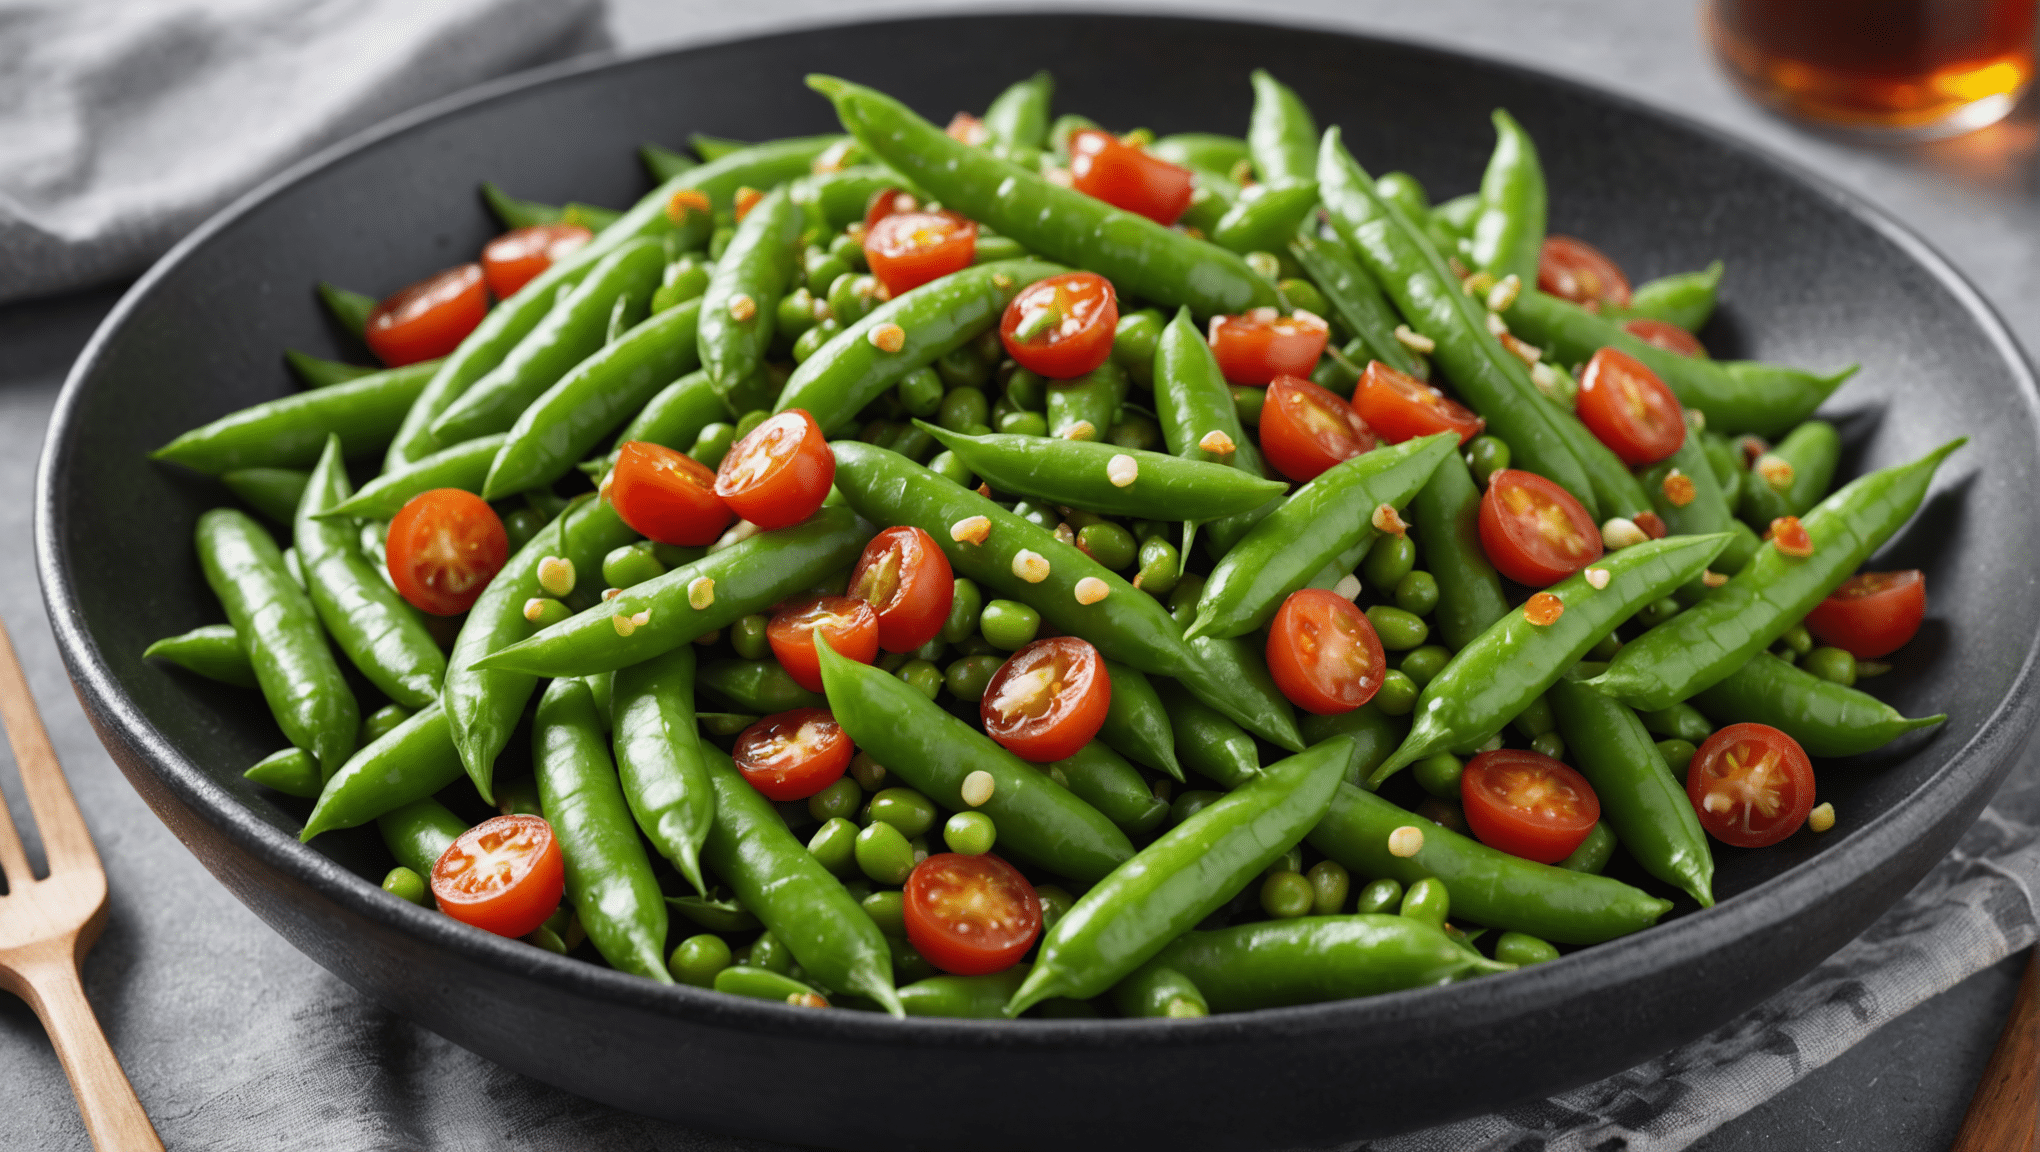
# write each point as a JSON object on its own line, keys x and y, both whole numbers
{"x": 47, "y": 926}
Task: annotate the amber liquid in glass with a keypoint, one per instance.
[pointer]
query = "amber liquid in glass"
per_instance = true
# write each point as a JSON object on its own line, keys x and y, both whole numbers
{"x": 1897, "y": 67}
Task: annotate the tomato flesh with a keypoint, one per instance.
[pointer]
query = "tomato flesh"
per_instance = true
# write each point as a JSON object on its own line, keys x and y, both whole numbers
{"x": 1527, "y": 804}
{"x": 1533, "y": 531}
{"x": 1629, "y": 409}
{"x": 1872, "y": 614}
{"x": 779, "y": 474}
{"x": 908, "y": 249}
{"x": 443, "y": 548}
{"x": 1048, "y": 699}
{"x": 428, "y": 319}
{"x": 1660, "y": 334}
{"x": 1061, "y": 327}
{"x": 667, "y": 496}
{"x": 1126, "y": 177}
{"x": 970, "y": 915}
{"x": 504, "y": 875}
{"x": 849, "y": 625}
{"x": 793, "y": 755}
{"x": 1306, "y": 429}
{"x": 512, "y": 259}
{"x": 906, "y": 579}
{"x": 1324, "y": 653}
{"x": 1399, "y": 407}
{"x": 884, "y": 203}
{"x": 1751, "y": 784}
{"x": 1260, "y": 345}
{"x": 1575, "y": 270}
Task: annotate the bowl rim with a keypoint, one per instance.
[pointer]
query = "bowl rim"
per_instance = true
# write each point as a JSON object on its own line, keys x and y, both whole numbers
{"x": 1769, "y": 904}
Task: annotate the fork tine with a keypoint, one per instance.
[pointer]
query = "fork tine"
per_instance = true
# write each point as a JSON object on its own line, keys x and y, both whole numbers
{"x": 66, "y": 842}
{"x": 13, "y": 861}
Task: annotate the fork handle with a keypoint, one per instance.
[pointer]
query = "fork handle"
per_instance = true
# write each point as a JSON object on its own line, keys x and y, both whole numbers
{"x": 113, "y": 1115}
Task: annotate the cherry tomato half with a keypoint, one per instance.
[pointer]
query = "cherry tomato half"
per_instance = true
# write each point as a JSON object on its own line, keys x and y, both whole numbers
{"x": 1533, "y": 531}
{"x": 1527, "y": 804}
{"x": 1751, "y": 784}
{"x": 906, "y": 579}
{"x": 908, "y": 249}
{"x": 1323, "y": 652}
{"x": 793, "y": 755}
{"x": 512, "y": 259}
{"x": 849, "y": 625}
{"x": 443, "y": 548}
{"x": 1669, "y": 337}
{"x": 1577, "y": 271}
{"x": 1048, "y": 699}
{"x": 884, "y": 203}
{"x": 1872, "y": 614}
{"x": 1399, "y": 407}
{"x": 1061, "y": 327}
{"x": 1262, "y": 344}
{"x": 504, "y": 875}
{"x": 427, "y": 319}
{"x": 1126, "y": 177}
{"x": 970, "y": 915}
{"x": 1306, "y": 429}
{"x": 667, "y": 495}
{"x": 779, "y": 474}
{"x": 1629, "y": 409}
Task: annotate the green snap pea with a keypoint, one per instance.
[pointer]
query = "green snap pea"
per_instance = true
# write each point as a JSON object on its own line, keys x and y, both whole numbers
{"x": 1684, "y": 299}
{"x": 1137, "y": 725}
{"x": 317, "y": 373}
{"x": 1400, "y": 631}
{"x": 962, "y": 997}
{"x": 1265, "y": 222}
{"x": 884, "y": 854}
{"x": 1706, "y": 508}
{"x": 1160, "y": 567}
{"x": 1830, "y": 664}
{"x": 835, "y": 845}
{"x": 741, "y": 303}
{"x": 1206, "y": 150}
{"x": 274, "y": 492}
{"x": 718, "y": 915}
{"x": 1105, "y": 781}
{"x": 411, "y": 762}
{"x": 1107, "y": 479}
{"x": 1389, "y": 558}
{"x": 1086, "y": 407}
{"x": 1677, "y": 755}
{"x": 1190, "y": 803}
{"x": 1276, "y": 963}
{"x": 1157, "y": 990}
{"x": 965, "y": 605}
{"x": 1825, "y": 717}
{"x": 765, "y": 984}
{"x": 1593, "y": 854}
{"x": 1549, "y": 744}
{"x": 1485, "y": 456}
{"x": 888, "y": 910}
{"x": 920, "y": 392}
{"x": 381, "y": 722}
{"x": 1356, "y": 299}
{"x": 1797, "y": 639}
{"x": 1281, "y": 136}
{"x": 1195, "y": 408}
{"x": 419, "y": 833}
{"x": 761, "y": 686}
{"x": 1206, "y": 742}
{"x": 794, "y": 315}
{"x": 1400, "y": 189}
{"x": 1523, "y": 950}
{"x": 350, "y": 309}
{"x": 968, "y": 678}
{"x": 1380, "y": 896}
{"x": 1375, "y": 734}
{"x": 768, "y": 953}
{"x": 1508, "y": 233}
{"x": 698, "y": 960}
{"x": 1134, "y": 342}
{"x": 1304, "y": 295}
{"x": 291, "y": 771}
{"x": 1681, "y": 721}
{"x": 1019, "y": 115}
{"x": 1793, "y": 476}
{"x": 683, "y": 280}
{"x": 214, "y": 651}
{"x": 659, "y": 758}
{"x": 1644, "y": 804}
{"x": 464, "y": 466}
{"x": 1439, "y": 775}
{"x": 1427, "y": 900}
{"x": 291, "y": 432}
{"x": 1446, "y": 511}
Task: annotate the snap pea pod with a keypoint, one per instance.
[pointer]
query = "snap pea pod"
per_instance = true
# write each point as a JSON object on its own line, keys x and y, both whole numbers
{"x": 382, "y": 635}
{"x": 1728, "y": 465}
{"x": 962, "y": 997}
{"x": 1374, "y": 736}
{"x": 419, "y": 833}
{"x": 1133, "y": 345}
{"x": 1096, "y": 476}
{"x": 291, "y": 771}
{"x": 409, "y": 762}
{"x": 1230, "y": 673}
{"x": 1092, "y": 400}
{"x": 609, "y": 877}
{"x": 1826, "y": 718}
{"x": 463, "y": 466}
{"x": 1276, "y": 963}
{"x": 274, "y": 492}
{"x": 1138, "y": 255}
{"x": 1456, "y": 216}
{"x": 738, "y": 309}
{"x": 1680, "y": 722}
{"x": 1019, "y": 115}
{"x": 1508, "y": 233}
{"x": 758, "y": 686}
{"x": 677, "y": 414}
{"x": 1206, "y": 742}
{"x": 658, "y": 758}
{"x": 1207, "y": 150}
{"x": 291, "y": 432}
{"x": 1191, "y": 403}
{"x": 280, "y": 629}
{"x": 1267, "y": 222}
{"x": 660, "y": 614}
{"x": 850, "y": 371}
{"x": 349, "y": 309}
{"x": 1702, "y": 645}
{"x": 1706, "y": 509}
{"x": 841, "y": 197}
{"x": 1809, "y": 454}
{"x": 1320, "y": 520}
{"x": 215, "y": 652}
{"x": 1155, "y": 989}
{"x": 1685, "y": 299}
{"x": 919, "y": 741}
{"x": 1356, "y": 298}
{"x": 1188, "y": 873}
{"x": 1594, "y": 852}
{"x": 1487, "y": 886}
{"x": 1490, "y": 681}
{"x": 1734, "y": 395}
{"x": 515, "y": 213}
{"x": 1281, "y": 136}
{"x": 1136, "y": 725}
{"x": 1212, "y": 195}
{"x": 1446, "y": 511}
{"x": 317, "y": 373}
{"x": 664, "y": 163}
{"x": 1103, "y": 779}
{"x": 1641, "y": 801}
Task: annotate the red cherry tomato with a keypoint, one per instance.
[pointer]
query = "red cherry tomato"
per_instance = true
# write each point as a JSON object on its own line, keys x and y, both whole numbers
{"x": 1399, "y": 407}
{"x": 1061, "y": 327}
{"x": 908, "y": 249}
{"x": 1263, "y": 344}
{"x": 850, "y": 626}
{"x": 512, "y": 259}
{"x": 1048, "y": 699}
{"x": 884, "y": 203}
{"x": 1629, "y": 409}
{"x": 1527, "y": 804}
{"x": 504, "y": 875}
{"x": 906, "y": 579}
{"x": 1751, "y": 784}
{"x": 1126, "y": 177}
{"x": 1872, "y": 614}
{"x": 1533, "y": 531}
{"x": 1669, "y": 337}
{"x": 1323, "y": 652}
{"x": 793, "y": 755}
{"x": 779, "y": 474}
{"x": 1306, "y": 429}
{"x": 444, "y": 547}
{"x": 971, "y": 914}
{"x": 667, "y": 495}
{"x": 1579, "y": 272}
{"x": 428, "y": 319}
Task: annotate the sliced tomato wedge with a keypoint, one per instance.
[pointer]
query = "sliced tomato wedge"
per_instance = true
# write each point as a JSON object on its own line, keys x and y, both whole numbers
{"x": 1527, "y": 804}
{"x": 1399, "y": 407}
{"x": 906, "y": 579}
{"x": 779, "y": 474}
{"x": 428, "y": 319}
{"x": 1872, "y": 614}
{"x": 1751, "y": 784}
{"x": 1577, "y": 271}
{"x": 512, "y": 259}
{"x": 443, "y": 548}
{"x": 1061, "y": 327}
{"x": 1533, "y": 531}
{"x": 1324, "y": 653}
{"x": 849, "y": 625}
{"x": 1629, "y": 409}
{"x": 1048, "y": 699}
{"x": 1126, "y": 177}
{"x": 793, "y": 755}
{"x": 908, "y": 249}
{"x": 1306, "y": 429}
{"x": 1661, "y": 334}
{"x": 970, "y": 915}
{"x": 504, "y": 875}
{"x": 667, "y": 496}
{"x": 1260, "y": 345}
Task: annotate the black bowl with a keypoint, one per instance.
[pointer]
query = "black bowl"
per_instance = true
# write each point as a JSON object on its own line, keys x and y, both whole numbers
{"x": 1814, "y": 278}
